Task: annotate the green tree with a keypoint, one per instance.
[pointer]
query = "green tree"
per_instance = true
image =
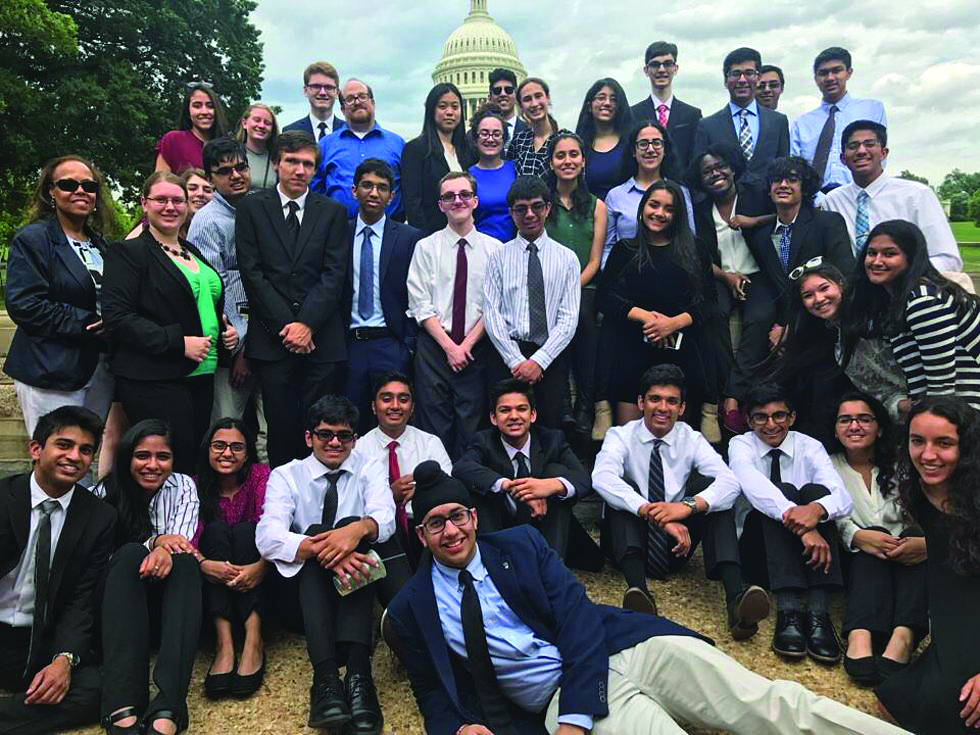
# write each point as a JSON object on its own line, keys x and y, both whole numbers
{"x": 958, "y": 181}
{"x": 959, "y": 207}
{"x": 906, "y": 174}
{"x": 975, "y": 207}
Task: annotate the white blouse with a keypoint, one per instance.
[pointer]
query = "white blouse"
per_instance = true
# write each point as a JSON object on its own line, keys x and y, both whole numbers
{"x": 870, "y": 507}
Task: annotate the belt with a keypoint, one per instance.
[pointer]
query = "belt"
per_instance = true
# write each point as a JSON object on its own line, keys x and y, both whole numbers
{"x": 360, "y": 334}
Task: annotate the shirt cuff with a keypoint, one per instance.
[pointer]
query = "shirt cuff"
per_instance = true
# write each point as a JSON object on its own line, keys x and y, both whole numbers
{"x": 542, "y": 358}
{"x": 498, "y": 486}
{"x": 583, "y": 721}
{"x": 569, "y": 489}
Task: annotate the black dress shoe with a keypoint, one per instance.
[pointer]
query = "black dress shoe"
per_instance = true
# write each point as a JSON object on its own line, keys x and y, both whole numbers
{"x": 365, "y": 711}
{"x": 821, "y": 638}
{"x": 789, "y": 640}
{"x": 218, "y": 685}
{"x": 745, "y": 612}
{"x": 639, "y": 600}
{"x": 111, "y": 728}
{"x": 889, "y": 666}
{"x": 862, "y": 670}
{"x": 584, "y": 417}
{"x": 245, "y": 685}
{"x": 328, "y": 702}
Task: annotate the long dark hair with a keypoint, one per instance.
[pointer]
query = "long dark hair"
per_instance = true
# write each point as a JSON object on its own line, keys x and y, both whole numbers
{"x": 962, "y": 516}
{"x": 430, "y": 133}
{"x": 42, "y": 206}
{"x": 121, "y": 489}
{"x": 669, "y": 167}
{"x": 208, "y": 480}
{"x": 874, "y": 310}
{"x": 885, "y": 445}
{"x": 547, "y": 91}
{"x": 622, "y": 121}
{"x": 683, "y": 247}
{"x": 581, "y": 199}
{"x": 219, "y": 126}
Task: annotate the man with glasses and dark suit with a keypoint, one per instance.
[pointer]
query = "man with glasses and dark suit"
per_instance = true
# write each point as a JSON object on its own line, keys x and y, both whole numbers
{"x": 320, "y": 86}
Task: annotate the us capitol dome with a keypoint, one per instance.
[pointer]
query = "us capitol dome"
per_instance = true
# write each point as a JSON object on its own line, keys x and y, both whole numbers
{"x": 474, "y": 50}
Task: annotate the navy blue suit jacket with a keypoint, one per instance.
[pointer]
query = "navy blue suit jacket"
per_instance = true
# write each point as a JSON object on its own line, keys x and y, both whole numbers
{"x": 681, "y": 124}
{"x": 305, "y": 126}
{"x": 550, "y": 600}
{"x": 397, "y": 248}
{"x": 773, "y": 140}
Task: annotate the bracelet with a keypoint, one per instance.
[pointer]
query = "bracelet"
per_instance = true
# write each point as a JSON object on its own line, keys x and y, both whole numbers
{"x": 153, "y": 542}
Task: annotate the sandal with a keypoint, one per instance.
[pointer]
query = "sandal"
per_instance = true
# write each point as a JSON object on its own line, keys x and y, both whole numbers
{"x": 111, "y": 728}
{"x": 160, "y": 714}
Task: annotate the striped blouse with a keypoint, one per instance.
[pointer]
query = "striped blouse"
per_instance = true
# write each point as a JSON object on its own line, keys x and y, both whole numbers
{"x": 939, "y": 351}
{"x": 173, "y": 508}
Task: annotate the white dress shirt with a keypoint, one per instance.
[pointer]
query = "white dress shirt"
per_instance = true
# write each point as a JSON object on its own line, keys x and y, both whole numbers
{"x": 732, "y": 248}
{"x": 173, "y": 508}
{"x": 525, "y": 450}
{"x": 294, "y": 502}
{"x": 505, "y": 292}
{"x": 315, "y": 123}
{"x": 893, "y": 198}
{"x": 870, "y": 508}
{"x": 377, "y": 317}
{"x": 803, "y": 460}
{"x": 284, "y": 200}
{"x": 432, "y": 276}
{"x": 17, "y": 587}
{"x": 657, "y": 102}
{"x": 622, "y": 467}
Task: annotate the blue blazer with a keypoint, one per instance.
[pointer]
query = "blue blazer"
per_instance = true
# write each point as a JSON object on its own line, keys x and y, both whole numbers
{"x": 304, "y": 125}
{"x": 397, "y": 248}
{"x": 550, "y": 600}
{"x": 773, "y": 140}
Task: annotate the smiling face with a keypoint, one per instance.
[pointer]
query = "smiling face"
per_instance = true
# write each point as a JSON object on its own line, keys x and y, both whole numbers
{"x": 334, "y": 451}
{"x": 884, "y": 261}
{"x": 199, "y": 193}
{"x": 165, "y": 207}
{"x": 604, "y": 105}
{"x": 447, "y": 113}
{"x": 503, "y": 95}
{"x": 393, "y": 406}
{"x": 490, "y": 138}
{"x": 649, "y": 151}
{"x": 459, "y": 208}
{"x": 660, "y": 70}
{"x": 658, "y": 213}
{"x": 258, "y": 124}
{"x": 201, "y": 110}
{"x": 831, "y": 78}
{"x": 358, "y": 105}
{"x": 152, "y": 462}
{"x": 740, "y": 82}
{"x": 233, "y": 451}
{"x": 717, "y": 176}
{"x": 863, "y": 155}
{"x": 934, "y": 448}
{"x": 534, "y": 102}
{"x": 454, "y": 546}
{"x": 77, "y": 204}
{"x": 513, "y": 416}
{"x": 771, "y": 422}
{"x": 373, "y": 193}
{"x": 63, "y": 460}
{"x": 321, "y": 91}
{"x": 567, "y": 160}
{"x": 231, "y": 183}
{"x": 787, "y": 192}
{"x": 529, "y": 216}
{"x": 661, "y": 405}
{"x": 769, "y": 89}
{"x": 820, "y": 296}
{"x": 856, "y": 428}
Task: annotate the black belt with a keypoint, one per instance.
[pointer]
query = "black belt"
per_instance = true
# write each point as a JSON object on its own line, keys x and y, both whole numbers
{"x": 360, "y": 334}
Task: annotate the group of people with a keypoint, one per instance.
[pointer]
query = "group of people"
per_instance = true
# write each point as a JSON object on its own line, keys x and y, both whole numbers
{"x": 416, "y": 337}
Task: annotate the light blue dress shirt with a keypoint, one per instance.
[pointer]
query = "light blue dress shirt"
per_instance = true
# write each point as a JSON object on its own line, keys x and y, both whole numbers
{"x": 805, "y": 132}
{"x": 753, "y": 109}
{"x": 528, "y": 669}
{"x": 377, "y": 318}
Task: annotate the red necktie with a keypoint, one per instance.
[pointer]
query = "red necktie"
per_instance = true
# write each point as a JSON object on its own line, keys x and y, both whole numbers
{"x": 457, "y": 332}
{"x": 662, "y": 115}
{"x": 401, "y": 515}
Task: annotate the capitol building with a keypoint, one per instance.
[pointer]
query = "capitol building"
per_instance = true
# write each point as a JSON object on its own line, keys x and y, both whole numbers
{"x": 474, "y": 50}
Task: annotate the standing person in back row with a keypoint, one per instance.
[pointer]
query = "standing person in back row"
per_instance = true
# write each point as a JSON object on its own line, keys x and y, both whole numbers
{"x": 321, "y": 84}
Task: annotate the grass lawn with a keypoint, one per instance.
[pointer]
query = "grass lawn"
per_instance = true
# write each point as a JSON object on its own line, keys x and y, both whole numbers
{"x": 965, "y": 232}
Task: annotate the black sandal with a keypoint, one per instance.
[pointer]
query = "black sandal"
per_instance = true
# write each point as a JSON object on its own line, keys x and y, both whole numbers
{"x": 111, "y": 728}
{"x": 160, "y": 714}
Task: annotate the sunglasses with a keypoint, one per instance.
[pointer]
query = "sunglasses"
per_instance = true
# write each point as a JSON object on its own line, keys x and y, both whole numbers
{"x": 237, "y": 168}
{"x": 191, "y": 86}
{"x": 797, "y": 273}
{"x": 502, "y": 90}
{"x": 71, "y": 185}
{"x": 326, "y": 436}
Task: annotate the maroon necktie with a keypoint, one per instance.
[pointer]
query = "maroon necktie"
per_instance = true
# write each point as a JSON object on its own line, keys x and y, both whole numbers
{"x": 401, "y": 515}
{"x": 457, "y": 332}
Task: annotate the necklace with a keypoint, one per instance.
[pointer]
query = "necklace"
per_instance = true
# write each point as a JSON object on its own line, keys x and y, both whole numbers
{"x": 178, "y": 252}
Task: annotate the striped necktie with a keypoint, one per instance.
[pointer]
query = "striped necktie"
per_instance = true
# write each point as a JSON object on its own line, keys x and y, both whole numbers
{"x": 658, "y": 545}
{"x": 861, "y": 225}
{"x": 745, "y": 135}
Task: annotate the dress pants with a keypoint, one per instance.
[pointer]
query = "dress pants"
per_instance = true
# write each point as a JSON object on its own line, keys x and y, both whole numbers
{"x": 95, "y": 395}
{"x": 367, "y": 360}
{"x": 496, "y": 513}
{"x": 760, "y": 310}
{"x": 668, "y": 678}
{"x": 289, "y": 387}
{"x": 129, "y": 605}
{"x": 882, "y": 595}
{"x": 79, "y": 707}
{"x": 549, "y": 392}
{"x": 451, "y": 405}
{"x": 584, "y": 349}
{"x": 235, "y": 544}
{"x": 185, "y": 404}
{"x": 784, "y": 550}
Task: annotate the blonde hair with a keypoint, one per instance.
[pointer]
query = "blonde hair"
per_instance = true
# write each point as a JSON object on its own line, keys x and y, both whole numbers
{"x": 242, "y": 137}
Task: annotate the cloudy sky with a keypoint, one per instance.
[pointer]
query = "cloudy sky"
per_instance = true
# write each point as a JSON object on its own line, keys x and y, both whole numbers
{"x": 920, "y": 57}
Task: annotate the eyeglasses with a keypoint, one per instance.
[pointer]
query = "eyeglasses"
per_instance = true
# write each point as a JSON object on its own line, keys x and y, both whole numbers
{"x": 238, "y": 168}
{"x": 178, "y": 202}
{"x": 322, "y": 87}
{"x": 720, "y": 166}
{"x": 437, "y": 524}
{"x": 863, "y": 419}
{"x": 71, "y": 185}
{"x": 760, "y": 418}
{"x": 824, "y": 73}
{"x": 490, "y": 134}
{"x": 797, "y": 273}
{"x": 600, "y": 98}
{"x": 774, "y": 84}
{"x": 353, "y": 98}
{"x": 734, "y": 74}
{"x": 522, "y": 209}
{"x": 344, "y": 436}
{"x": 644, "y": 144}
{"x": 502, "y": 90}
{"x": 219, "y": 447}
{"x": 450, "y": 196}
{"x": 869, "y": 144}
{"x": 666, "y": 65}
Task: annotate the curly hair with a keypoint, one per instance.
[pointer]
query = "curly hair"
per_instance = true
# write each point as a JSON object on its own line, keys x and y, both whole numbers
{"x": 885, "y": 447}
{"x": 962, "y": 512}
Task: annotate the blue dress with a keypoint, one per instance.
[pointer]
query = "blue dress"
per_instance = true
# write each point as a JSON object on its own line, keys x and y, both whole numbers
{"x": 492, "y": 217}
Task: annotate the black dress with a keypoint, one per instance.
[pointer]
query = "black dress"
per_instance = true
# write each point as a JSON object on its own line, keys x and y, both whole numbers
{"x": 924, "y": 698}
{"x": 661, "y": 285}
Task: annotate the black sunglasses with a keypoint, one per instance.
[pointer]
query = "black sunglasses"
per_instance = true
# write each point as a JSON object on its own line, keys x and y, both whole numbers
{"x": 71, "y": 185}
{"x": 502, "y": 90}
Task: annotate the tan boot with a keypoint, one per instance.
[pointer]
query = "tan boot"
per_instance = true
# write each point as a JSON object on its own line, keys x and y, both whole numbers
{"x": 709, "y": 423}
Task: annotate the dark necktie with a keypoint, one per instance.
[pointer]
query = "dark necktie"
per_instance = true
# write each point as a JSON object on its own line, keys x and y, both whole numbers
{"x": 292, "y": 220}
{"x": 42, "y": 568}
{"x": 329, "y": 515}
{"x": 394, "y": 472}
{"x": 537, "y": 315}
{"x": 492, "y": 700}
{"x": 775, "y": 474}
{"x": 745, "y": 135}
{"x": 365, "y": 283}
{"x": 322, "y": 127}
{"x": 658, "y": 545}
{"x": 458, "y": 330}
{"x": 522, "y": 468}
{"x": 785, "y": 238}
{"x": 824, "y": 142}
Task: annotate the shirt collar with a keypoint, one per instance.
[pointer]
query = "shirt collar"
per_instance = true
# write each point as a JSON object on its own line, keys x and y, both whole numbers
{"x": 787, "y": 447}
{"x": 475, "y": 568}
{"x": 377, "y": 228}
{"x": 541, "y": 240}
{"x": 301, "y": 200}
{"x": 317, "y": 469}
{"x": 634, "y": 186}
{"x": 38, "y": 495}
{"x": 222, "y": 202}
{"x": 875, "y": 187}
{"x": 315, "y": 122}
{"x": 842, "y": 103}
{"x": 450, "y": 237}
{"x": 646, "y": 436}
{"x": 752, "y": 108}
{"x": 513, "y": 452}
{"x": 780, "y": 226}
{"x": 669, "y": 102}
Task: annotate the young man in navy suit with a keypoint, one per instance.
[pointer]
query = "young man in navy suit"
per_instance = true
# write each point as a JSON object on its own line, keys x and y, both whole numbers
{"x": 321, "y": 84}
{"x": 499, "y": 637}
{"x": 380, "y": 336}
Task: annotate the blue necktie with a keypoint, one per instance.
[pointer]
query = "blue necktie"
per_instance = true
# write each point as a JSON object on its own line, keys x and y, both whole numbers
{"x": 365, "y": 287}
{"x": 745, "y": 135}
{"x": 784, "y": 240}
{"x": 861, "y": 224}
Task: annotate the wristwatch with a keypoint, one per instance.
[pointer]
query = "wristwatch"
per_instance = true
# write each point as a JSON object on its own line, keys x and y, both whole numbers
{"x": 692, "y": 504}
{"x": 73, "y": 660}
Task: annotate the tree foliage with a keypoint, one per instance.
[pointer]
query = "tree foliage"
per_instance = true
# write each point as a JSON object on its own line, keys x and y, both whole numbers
{"x": 958, "y": 181}
{"x": 974, "y": 207}
{"x": 906, "y": 174}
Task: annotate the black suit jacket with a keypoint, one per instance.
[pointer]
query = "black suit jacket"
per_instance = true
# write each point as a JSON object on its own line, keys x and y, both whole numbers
{"x": 397, "y": 248}
{"x": 750, "y": 202}
{"x": 420, "y": 184}
{"x": 286, "y": 282}
{"x": 485, "y": 461}
{"x": 51, "y": 298}
{"x": 304, "y": 125}
{"x": 814, "y": 233}
{"x": 149, "y": 308}
{"x": 681, "y": 124}
{"x": 79, "y": 560}
{"x": 773, "y": 140}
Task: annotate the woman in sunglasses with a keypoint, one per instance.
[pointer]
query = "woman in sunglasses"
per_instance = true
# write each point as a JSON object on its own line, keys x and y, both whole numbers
{"x": 201, "y": 118}
{"x": 54, "y": 278}
{"x": 231, "y": 487}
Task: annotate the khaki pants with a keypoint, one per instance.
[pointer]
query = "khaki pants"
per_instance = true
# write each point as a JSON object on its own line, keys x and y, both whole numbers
{"x": 679, "y": 677}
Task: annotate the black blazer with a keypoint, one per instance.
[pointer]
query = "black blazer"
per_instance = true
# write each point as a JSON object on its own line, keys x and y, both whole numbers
{"x": 681, "y": 124}
{"x": 814, "y": 233}
{"x": 149, "y": 308}
{"x": 485, "y": 461}
{"x": 51, "y": 298}
{"x": 773, "y": 140}
{"x": 397, "y": 248}
{"x": 750, "y": 202}
{"x": 286, "y": 283}
{"x": 79, "y": 560}
{"x": 420, "y": 184}
{"x": 304, "y": 125}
